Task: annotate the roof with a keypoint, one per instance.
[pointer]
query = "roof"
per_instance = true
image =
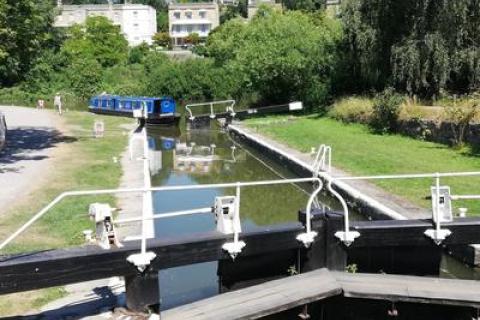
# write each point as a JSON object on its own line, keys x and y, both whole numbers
{"x": 112, "y": 96}
{"x": 70, "y": 7}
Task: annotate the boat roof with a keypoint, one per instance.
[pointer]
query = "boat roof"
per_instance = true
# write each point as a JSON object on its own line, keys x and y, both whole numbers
{"x": 112, "y": 96}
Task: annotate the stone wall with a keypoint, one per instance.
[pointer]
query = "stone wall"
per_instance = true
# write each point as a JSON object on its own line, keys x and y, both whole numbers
{"x": 437, "y": 131}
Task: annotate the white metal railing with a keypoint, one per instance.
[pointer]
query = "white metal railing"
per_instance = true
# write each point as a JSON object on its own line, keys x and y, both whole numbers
{"x": 323, "y": 159}
{"x": 142, "y": 259}
{"x": 438, "y": 234}
{"x": 229, "y": 108}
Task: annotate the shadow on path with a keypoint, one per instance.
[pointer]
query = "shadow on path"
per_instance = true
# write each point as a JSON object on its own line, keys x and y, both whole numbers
{"x": 25, "y": 143}
{"x": 102, "y": 298}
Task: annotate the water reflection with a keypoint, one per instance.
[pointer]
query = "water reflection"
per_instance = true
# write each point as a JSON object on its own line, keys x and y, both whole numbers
{"x": 211, "y": 157}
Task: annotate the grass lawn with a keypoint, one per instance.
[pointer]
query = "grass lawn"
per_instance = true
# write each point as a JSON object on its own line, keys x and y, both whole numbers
{"x": 356, "y": 150}
{"x": 82, "y": 163}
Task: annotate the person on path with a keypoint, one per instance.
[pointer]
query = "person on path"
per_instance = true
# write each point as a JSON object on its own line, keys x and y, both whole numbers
{"x": 57, "y": 103}
{"x": 40, "y": 104}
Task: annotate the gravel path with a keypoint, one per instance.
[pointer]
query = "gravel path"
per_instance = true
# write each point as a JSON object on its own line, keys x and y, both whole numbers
{"x": 33, "y": 139}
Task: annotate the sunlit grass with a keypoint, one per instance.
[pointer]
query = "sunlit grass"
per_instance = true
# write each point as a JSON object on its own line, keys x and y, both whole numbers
{"x": 360, "y": 152}
{"x": 83, "y": 163}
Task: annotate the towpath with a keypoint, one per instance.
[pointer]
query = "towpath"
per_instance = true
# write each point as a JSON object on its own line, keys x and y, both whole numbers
{"x": 34, "y": 143}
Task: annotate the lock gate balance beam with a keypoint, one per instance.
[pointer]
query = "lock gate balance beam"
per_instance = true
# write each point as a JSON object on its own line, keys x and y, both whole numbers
{"x": 64, "y": 266}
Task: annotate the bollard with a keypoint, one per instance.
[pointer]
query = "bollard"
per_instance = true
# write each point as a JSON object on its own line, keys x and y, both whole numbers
{"x": 335, "y": 251}
{"x": 315, "y": 256}
{"x": 142, "y": 291}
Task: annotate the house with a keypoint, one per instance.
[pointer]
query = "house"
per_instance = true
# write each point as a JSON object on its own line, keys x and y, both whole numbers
{"x": 137, "y": 22}
{"x": 187, "y": 18}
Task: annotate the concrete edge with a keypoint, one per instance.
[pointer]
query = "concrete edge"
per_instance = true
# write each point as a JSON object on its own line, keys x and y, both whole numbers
{"x": 350, "y": 192}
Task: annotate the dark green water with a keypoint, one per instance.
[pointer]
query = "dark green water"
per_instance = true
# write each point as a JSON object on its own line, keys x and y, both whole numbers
{"x": 210, "y": 157}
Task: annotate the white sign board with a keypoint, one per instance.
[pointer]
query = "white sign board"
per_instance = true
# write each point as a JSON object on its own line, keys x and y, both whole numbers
{"x": 444, "y": 204}
{"x": 296, "y": 105}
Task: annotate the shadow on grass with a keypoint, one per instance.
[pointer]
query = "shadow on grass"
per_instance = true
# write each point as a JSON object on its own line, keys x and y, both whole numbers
{"x": 25, "y": 143}
{"x": 100, "y": 298}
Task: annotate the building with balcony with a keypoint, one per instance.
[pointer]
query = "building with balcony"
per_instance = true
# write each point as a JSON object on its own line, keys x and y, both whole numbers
{"x": 137, "y": 22}
{"x": 187, "y": 18}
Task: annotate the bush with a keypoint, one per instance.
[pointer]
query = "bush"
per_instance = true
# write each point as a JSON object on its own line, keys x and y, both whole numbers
{"x": 162, "y": 39}
{"x": 16, "y": 96}
{"x": 352, "y": 109}
{"x": 459, "y": 116}
{"x": 386, "y": 110}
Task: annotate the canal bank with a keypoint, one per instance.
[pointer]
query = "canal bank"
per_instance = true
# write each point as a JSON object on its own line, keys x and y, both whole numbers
{"x": 366, "y": 198}
{"x": 85, "y": 163}
{"x": 362, "y": 196}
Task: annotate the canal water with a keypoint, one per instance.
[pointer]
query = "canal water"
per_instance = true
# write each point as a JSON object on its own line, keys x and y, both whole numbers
{"x": 210, "y": 157}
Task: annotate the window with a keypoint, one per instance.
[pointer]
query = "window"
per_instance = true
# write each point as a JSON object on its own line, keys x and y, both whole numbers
{"x": 176, "y": 14}
{"x": 203, "y": 14}
{"x": 177, "y": 28}
{"x": 188, "y": 14}
{"x": 189, "y": 29}
{"x": 204, "y": 28}
{"x": 135, "y": 25}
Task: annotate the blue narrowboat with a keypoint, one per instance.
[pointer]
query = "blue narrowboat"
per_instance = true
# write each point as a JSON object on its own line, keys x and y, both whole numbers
{"x": 160, "y": 111}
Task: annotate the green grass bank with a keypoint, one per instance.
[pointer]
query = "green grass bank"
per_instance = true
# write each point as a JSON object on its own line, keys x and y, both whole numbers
{"x": 82, "y": 163}
{"x": 358, "y": 151}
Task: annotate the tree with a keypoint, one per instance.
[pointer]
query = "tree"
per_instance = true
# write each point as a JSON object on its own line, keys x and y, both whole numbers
{"x": 162, "y": 39}
{"x": 233, "y": 11}
{"x": 25, "y": 28}
{"x": 162, "y": 21}
{"x": 97, "y": 39}
{"x": 413, "y": 45}
{"x": 192, "y": 38}
{"x": 282, "y": 56}
{"x": 138, "y": 53}
{"x": 307, "y": 5}
{"x": 84, "y": 77}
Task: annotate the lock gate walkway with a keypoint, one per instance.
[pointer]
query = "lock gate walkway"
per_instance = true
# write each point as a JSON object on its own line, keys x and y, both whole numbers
{"x": 279, "y": 295}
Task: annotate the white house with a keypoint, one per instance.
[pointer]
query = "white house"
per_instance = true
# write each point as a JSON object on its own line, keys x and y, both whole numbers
{"x": 137, "y": 22}
{"x": 188, "y": 18}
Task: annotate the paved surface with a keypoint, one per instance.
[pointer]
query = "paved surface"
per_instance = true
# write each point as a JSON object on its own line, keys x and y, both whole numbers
{"x": 32, "y": 137}
{"x": 130, "y": 204}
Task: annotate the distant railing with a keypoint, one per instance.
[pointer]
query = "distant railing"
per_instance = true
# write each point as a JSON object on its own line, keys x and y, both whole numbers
{"x": 230, "y": 104}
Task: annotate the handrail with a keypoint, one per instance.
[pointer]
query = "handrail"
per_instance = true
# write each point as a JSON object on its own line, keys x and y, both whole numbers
{"x": 66, "y": 194}
{"x": 323, "y": 159}
{"x": 438, "y": 234}
{"x": 230, "y": 107}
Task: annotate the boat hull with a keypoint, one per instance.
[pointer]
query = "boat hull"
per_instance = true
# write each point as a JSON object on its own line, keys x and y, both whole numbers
{"x": 153, "y": 119}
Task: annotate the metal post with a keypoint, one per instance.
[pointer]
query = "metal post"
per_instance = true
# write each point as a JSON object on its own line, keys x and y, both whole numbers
{"x": 346, "y": 236}
{"x": 237, "y": 213}
{"x": 143, "y": 259}
{"x": 437, "y": 185}
{"x": 235, "y": 247}
{"x": 212, "y": 114}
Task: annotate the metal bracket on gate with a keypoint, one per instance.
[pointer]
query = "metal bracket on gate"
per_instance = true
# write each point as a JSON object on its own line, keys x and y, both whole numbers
{"x": 234, "y": 248}
{"x": 437, "y": 235}
{"x": 347, "y": 237}
{"x": 307, "y": 238}
{"x": 141, "y": 260}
